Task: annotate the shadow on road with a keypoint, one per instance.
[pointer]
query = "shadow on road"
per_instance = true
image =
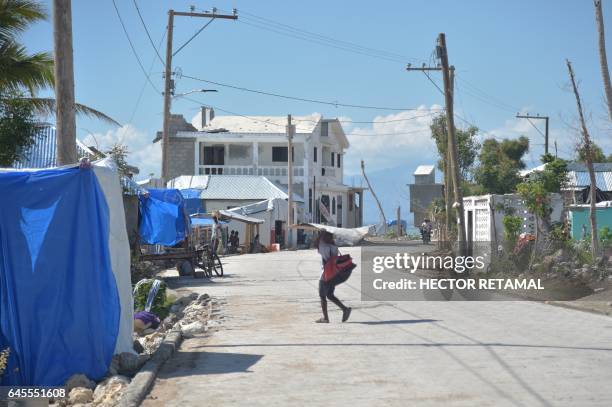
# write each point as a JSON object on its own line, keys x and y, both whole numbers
{"x": 203, "y": 363}
{"x": 395, "y": 321}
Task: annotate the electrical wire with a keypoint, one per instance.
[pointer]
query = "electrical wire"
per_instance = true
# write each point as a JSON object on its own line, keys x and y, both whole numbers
{"x": 283, "y": 126}
{"x": 144, "y": 71}
{"x": 144, "y": 25}
{"x": 193, "y": 36}
{"x": 294, "y": 32}
{"x": 300, "y": 99}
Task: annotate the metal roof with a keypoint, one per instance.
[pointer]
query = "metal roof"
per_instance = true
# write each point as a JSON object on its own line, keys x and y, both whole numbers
{"x": 581, "y": 179}
{"x": 42, "y": 153}
{"x": 244, "y": 187}
{"x": 424, "y": 170}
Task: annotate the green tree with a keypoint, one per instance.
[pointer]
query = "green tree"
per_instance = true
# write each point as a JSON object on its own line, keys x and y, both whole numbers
{"x": 119, "y": 152}
{"x": 467, "y": 145}
{"x": 18, "y": 130}
{"x": 596, "y": 151}
{"x": 512, "y": 228}
{"x": 554, "y": 175}
{"x": 500, "y": 162}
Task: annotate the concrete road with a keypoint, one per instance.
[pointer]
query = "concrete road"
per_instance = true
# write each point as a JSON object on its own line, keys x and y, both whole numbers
{"x": 269, "y": 352}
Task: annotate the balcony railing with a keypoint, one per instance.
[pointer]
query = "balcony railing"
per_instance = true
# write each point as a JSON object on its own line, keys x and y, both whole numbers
{"x": 269, "y": 171}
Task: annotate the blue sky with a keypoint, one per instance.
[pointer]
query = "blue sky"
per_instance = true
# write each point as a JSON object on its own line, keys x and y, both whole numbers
{"x": 509, "y": 56}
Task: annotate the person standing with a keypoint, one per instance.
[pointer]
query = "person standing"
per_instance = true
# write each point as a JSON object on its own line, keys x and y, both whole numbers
{"x": 215, "y": 235}
{"x": 327, "y": 249}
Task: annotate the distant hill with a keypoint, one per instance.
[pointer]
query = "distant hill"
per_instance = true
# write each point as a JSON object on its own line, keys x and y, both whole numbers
{"x": 391, "y": 187}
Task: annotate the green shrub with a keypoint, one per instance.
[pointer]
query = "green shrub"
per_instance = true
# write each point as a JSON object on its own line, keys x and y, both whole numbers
{"x": 512, "y": 228}
{"x": 160, "y": 306}
{"x": 605, "y": 236}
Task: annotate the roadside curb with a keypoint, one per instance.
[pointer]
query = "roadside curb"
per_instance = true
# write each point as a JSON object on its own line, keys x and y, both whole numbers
{"x": 141, "y": 383}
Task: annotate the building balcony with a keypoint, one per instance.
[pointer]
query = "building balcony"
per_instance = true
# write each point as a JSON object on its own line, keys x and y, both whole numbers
{"x": 267, "y": 171}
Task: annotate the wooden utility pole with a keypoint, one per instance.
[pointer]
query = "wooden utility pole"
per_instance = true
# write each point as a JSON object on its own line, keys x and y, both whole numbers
{"x": 538, "y": 117}
{"x": 588, "y": 153}
{"x": 65, "y": 124}
{"x": 399, "y": 222}
{"x": 380, "y": 209}
{"x": 290, "y": 133}
{"x": 169, "y": 82}
{"x": 448, "y": 181}
{"x": 603, "y": 59}
{"x": 452, "y": 145}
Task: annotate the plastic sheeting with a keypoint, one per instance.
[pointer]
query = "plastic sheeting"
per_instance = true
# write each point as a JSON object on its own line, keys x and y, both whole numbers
{"x": 59, "y": 306}
{"x": 108, "y": 178}
{"x": 193, "y": 203}
{"x": 162, "y": 217}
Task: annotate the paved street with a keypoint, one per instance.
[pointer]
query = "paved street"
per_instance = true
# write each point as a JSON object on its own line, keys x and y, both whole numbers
{"x": 269, "y": 352}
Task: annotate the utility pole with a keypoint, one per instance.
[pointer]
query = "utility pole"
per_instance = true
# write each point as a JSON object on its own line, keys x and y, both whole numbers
{"x": 399, "y": 222}
{"x": 448, "y": 182}
{"x": 380, "y": 209}
{"x": 290, "y": 133}
{"x": 452, "y": 145}
{"x": 169, "y": 82}
{"x": 545, "y": 118}
{"x": 65, "y": 136}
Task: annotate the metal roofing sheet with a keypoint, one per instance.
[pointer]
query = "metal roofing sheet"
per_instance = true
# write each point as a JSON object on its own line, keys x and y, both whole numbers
{"x": 603, "y": 180}
{"x": 243, "y": 187}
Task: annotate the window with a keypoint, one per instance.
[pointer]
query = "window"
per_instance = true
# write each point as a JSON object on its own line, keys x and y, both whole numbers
{"x": 214, "y": 155}
{"x": 350, "y": 199}
{"x": 315, "y": 154}
{"x": 310, "y": 200}
{"x": 279, "y": 154}
{"x": 333, "y": 208}
{"x": 323, "y": 171}
{"x": 332, "y": 159}
{"x": 324, "y": 129}
{"x": 338, "y": 160}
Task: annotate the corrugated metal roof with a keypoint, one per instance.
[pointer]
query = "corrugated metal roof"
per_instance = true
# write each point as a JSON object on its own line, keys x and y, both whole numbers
{"x": 581, "y": 179}
{"x": 243, "y": 187}
{"x": 189, "y": 181}
{"x": 256, "y": 207}
{"x": 42, "y": 153}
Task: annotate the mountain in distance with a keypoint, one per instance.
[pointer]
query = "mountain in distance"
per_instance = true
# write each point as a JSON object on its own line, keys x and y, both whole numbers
{"x": 391, "y": 187}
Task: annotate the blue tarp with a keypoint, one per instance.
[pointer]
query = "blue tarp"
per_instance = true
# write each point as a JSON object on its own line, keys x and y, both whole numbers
{"x": 162, "y": 217}
{"x": 193, "y": 203}
{"x": 59, "y": 305}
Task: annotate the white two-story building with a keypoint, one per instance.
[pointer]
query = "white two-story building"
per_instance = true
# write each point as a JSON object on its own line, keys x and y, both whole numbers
{"x": 257, "y": 145}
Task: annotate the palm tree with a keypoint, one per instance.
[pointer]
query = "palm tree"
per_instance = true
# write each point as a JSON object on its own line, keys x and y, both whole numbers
{"x": 21, "y": 72}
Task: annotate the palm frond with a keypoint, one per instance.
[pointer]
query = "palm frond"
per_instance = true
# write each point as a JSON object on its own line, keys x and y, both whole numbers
{"x": 47, "y": 106}
{"x": 19, "y": 70}
{"x": 16, "y": 15}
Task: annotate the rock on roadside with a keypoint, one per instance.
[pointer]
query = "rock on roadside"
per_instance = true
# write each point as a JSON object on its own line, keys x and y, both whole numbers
{"x": 109, "y": 391}
{"x": 79, "y": 380}
{"x": 80, "y": 395}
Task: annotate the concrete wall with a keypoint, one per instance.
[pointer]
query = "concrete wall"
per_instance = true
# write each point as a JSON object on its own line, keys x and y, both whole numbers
{"x": 181, "y": 156}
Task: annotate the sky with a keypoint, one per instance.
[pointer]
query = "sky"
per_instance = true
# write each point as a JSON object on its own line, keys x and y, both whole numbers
{"x": 509, "y": 57}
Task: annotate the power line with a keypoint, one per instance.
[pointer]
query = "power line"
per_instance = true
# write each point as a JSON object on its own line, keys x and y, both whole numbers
{"x": 323, "y": 102}
{"x": 148, "y": 34}
{"x": 193, "y": 36}
{"x": 144, "y": 71}
{"x": 299, "y": 121}
{"x": 294, "y": 32}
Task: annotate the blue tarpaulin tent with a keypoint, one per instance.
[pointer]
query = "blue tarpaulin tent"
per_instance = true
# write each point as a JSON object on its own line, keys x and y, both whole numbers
{"x": 193, "y": 203}
{"x": 59, "y": 304}
{"x": 162, "y": 217}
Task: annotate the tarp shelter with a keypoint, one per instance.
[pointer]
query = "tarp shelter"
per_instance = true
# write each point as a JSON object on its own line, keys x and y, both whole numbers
{"x": 162, "y": 217}
{"x": 65, "y": 293}
{"x": 342, "y": 236}
{"x": 193, "y": 203}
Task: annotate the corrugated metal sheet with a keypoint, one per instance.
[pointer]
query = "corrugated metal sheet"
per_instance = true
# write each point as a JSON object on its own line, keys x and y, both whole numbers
{"x": 580, "y": 179}
{"x": 243, "y": 187}
{"x": 42, "y": 153}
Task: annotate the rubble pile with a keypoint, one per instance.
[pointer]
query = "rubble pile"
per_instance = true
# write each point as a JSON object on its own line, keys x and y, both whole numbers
{"x": 189, "y": 314}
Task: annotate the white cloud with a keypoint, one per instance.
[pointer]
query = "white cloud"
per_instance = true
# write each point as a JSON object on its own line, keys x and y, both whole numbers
{"x": 392, "y": 140}
{"x": 142, "y": 152}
